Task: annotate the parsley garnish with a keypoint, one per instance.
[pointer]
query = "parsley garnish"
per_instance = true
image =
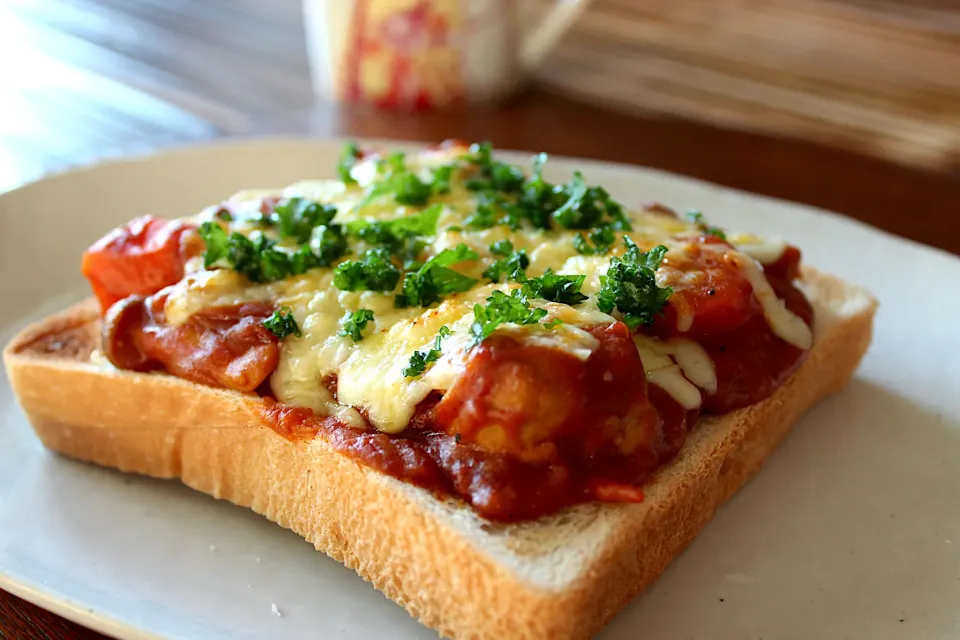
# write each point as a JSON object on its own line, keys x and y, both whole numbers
{"x": 441, "y": 178}
{"x": 389, "y": 232}
{"x": 256, "y": 259}
{"x": 507, "y": 197}
{"x": 513, "y": 267}
{"x": 372, "y": 272}
{"x": 501, "y": 248}
{"x": 435, "y": 280}
{"x": 328, "y": 244}
{"x": 405, "y": 185}
{"x": 487, "y": 214}
{"x": 556, "y": 288}
{"x": 217, "y": 240}
{"x": 407, "y": 188}
{"x": 697, "y": 218}
{"x": 259, "y": 260}
{"x": 348, "y": 158}
{"x": 297, "y": 217}
{"x": 602, "y": 238}
{"x": 282, "y": 324}
{"x": 493, "y": 175}
{"x": 355, "y": 322}
{"x": 631, "y": 286}
{"x": 501, "y": 309}
{"x": 421, "y": 359}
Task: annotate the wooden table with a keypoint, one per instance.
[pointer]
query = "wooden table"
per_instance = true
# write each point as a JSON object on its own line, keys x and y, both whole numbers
{"x": 131, "y": 112}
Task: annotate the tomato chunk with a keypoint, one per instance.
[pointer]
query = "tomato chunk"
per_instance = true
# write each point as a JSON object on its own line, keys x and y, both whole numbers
{"x": 524, "y": 398}
{"x": 226, "y": 347}
{"x": 710, "y": 294}
{"x": 139, "y": 258}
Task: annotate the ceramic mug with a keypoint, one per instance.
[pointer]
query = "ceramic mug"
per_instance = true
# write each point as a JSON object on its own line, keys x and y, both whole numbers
{"x": 421, "y": 54}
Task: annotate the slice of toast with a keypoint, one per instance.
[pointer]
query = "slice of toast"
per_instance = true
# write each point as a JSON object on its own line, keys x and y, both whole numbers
{"x": 563, "y": 576}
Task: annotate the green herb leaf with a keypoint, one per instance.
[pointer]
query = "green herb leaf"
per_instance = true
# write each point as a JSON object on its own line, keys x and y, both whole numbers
{"x": 216, "y": 238}
{"x": 354, "y": 323}
{"x": 348, "y": 158}
{"x": 556, "y": 288}
{"x": 602, "y": 238}
{"x": 297, "y": 217}
{"x": 374, "y": 271}
{"x": 282, "y": 324}
{"x": 486, "y": 216}
{"x": 422, "y": 223}
{"x": 435, "y": 280}
{"x": 501, "y": 309}
{"x": 501, "y": 248}
{"x": 513, "y": 267}
{"x": 273, "y": 263}
{"x": 406, "y": 187}
{"x": 493, "y": 175}
{"x": 441, "y": 178}
{"x": 631, "y": 286}
{"x": 409, "y": 189}
{"x": 420, "y": 360}
{"x": 329, "y": 244}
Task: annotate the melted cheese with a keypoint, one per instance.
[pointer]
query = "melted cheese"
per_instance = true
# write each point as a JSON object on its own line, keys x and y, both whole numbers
{"x": 369, "y": 373}
{"x": 763, "y": 250}
{"x": 785, "y": 324}
{"x": 678, "y": 366}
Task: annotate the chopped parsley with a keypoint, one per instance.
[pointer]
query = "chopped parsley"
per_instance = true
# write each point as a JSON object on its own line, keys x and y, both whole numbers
{"x": 631, "y": 286}
{"x": 493, "y": 175}
{"x": 256, "y": 258}
{"x": 282, "y": 324}
{"x": 348, "y": 158}
{"x": 513, "y": 266}
{"x": 389, "y": 232}
{"x": 297, "y": 217}
{"x": 441, "y": 178}
{"x": 405, "y": 185}
{"x": 259, "y": 260}
{"x": 697, "y": 218}
{"x": 487, "y": 215}
{"x": 501, "y": 309}
{"x": 420, "y": 360}
{"x": 598, "y": 241}
{"x": 217, "y": 240}
{"x": 435, "y": 280}
{"x": 355, "y": 322}
{"x": 508, "y": 197}
{"x": 328, "y": 244}
{"x": 374, "y": 271}
{"x": 501, "y": 248}
{"x": 556, "y": 288}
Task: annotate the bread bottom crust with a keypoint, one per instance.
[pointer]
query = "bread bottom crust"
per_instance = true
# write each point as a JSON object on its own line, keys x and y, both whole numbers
{"x": 564, "y": 576}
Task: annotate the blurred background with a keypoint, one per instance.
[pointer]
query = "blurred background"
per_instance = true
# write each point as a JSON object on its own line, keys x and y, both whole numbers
{"x": 866, "y": 91}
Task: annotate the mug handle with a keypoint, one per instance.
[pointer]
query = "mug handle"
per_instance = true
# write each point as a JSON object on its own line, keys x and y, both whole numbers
{"x": 538, "y": 43}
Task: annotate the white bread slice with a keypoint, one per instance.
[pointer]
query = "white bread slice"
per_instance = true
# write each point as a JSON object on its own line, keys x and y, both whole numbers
{"x": 561, "y": 577}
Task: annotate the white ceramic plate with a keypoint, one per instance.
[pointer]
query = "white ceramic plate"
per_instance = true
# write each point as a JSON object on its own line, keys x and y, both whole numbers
{"x": 852, "y": 531}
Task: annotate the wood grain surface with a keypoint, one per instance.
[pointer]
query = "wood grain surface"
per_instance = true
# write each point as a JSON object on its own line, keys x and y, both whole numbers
{"x": 117, "y": 77}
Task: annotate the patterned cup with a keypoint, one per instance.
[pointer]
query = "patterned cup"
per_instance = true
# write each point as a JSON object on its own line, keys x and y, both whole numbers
{"x": 424, "y": 54}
